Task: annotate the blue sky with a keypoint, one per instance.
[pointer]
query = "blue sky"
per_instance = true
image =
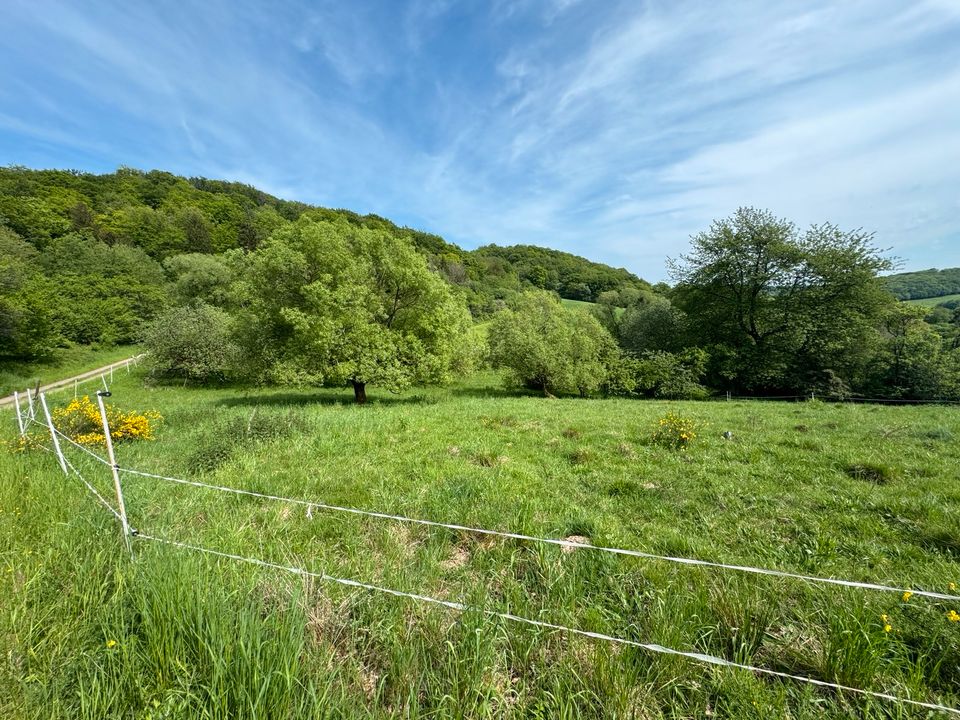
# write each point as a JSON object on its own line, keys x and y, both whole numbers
{"x": 610, "y": 129}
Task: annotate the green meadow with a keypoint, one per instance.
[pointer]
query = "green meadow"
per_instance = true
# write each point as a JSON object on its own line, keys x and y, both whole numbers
{"x": 933, "y": 301}
{"x": 860, "y": 492}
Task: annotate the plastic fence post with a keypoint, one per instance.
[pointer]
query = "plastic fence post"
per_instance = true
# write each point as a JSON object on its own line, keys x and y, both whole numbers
{"x": 115, "y": 469}
{"x": 16, "y": 401}
{"x": 75, "y": 384}
{"x": 104, "y": 379}
{"x": 30, "y": 400}
{"x": 53, "y": 434}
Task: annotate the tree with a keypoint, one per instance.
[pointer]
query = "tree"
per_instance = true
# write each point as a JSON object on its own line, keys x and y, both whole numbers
{"x": 27, "y": 330}
{"x": 653, "y": 325}
{"x": 329, "y": 302}
{"x": 781, "y": 307}
{"x": 916, "y": 362}
{"x": 548, "y": 348}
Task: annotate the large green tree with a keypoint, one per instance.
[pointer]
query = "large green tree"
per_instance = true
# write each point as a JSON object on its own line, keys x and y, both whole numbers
{"x": 330, "y": 302}
{"x": 782, "y": 308}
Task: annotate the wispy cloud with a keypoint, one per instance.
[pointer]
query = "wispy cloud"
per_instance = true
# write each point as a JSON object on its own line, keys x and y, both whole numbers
{"x": 614, "y": 131}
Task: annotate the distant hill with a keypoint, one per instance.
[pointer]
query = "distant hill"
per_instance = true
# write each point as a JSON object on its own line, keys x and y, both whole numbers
{"x": 924, "y": 283}
{"x": 165, "y": 215}
{"x": 571, "y": 276}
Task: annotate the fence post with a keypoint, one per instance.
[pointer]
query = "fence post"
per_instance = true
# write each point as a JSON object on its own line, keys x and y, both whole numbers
{"x": 75, "y": 383}
{"x": 104, "y": 379}
{"x": 115, "y": 469}
{"x": 30, "y": 399}
{"x": 728, "y": 396}
{"x": 53, "y": 434}
{"x": 16, "y": 401}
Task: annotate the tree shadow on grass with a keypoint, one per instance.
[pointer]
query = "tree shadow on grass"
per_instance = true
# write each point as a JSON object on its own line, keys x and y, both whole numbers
{"x": 482, "y": 392}
{"x": 293, "y": 399}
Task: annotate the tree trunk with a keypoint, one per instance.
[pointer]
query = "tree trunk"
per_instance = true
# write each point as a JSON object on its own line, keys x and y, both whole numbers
{"x": 359, "y": 392}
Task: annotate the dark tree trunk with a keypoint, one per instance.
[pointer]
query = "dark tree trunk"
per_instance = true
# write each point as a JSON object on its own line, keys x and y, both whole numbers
{"x": 359, "y": 392}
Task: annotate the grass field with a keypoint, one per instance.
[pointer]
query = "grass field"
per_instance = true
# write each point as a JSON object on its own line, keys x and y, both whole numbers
{"x": 853, "y": 491}
{"x": 934, "y": 300}
{"x": 65, "y": 363}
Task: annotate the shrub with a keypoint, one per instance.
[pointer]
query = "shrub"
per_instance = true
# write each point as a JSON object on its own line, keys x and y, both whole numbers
{"x": 674, "y": 431}
{"x": 674, "y": 376}
{"x": 192, "y": 343}
{"x": 81, "y": 422}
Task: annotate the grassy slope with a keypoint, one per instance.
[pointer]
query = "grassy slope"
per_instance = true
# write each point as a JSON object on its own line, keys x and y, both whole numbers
{"x": 933, "y": 301}
{"x": 65, "y": 363}
{"x": 197, "y": 638}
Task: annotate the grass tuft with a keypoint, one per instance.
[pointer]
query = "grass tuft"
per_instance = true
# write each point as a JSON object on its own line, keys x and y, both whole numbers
{"x": 876, "y": 473}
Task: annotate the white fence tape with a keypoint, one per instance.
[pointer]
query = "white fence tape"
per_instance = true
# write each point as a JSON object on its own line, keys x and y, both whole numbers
{"x": 552, "y": 541}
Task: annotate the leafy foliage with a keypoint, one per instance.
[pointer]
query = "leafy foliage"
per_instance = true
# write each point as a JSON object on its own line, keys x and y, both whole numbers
{"x": 924, "y": 284}
{"x": 193, "y": 342}
{"x": 568, "y": 275}
{"x": 549, "y": 348}
{"x": 327, "y": 302}
{"x": 780, "y": 308}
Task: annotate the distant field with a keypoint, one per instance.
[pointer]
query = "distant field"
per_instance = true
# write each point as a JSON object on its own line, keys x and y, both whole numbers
{"x": 934, "y": 300}
{"x": 852, "y": 491}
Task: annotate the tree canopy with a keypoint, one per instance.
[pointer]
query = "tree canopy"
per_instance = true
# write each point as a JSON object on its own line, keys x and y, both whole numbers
{"x": 328, "y": 302}
{"x": 782, "y": 308}
{"x": 546, "y": 347}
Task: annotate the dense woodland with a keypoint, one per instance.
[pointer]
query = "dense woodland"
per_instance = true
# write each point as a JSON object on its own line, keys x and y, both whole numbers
{"x": 924, "y": 284}
{"x": 225, "y": 283}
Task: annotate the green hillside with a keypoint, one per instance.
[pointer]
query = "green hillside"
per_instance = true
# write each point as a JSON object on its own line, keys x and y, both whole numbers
{"x": 931, "y": 283}
{"x": 76, "y": 224}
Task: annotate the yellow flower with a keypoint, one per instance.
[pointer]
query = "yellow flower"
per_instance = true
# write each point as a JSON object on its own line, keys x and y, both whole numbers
{"x": 907, "y": 595}
{"x": 885, "y": 617}
{"x": 952, "y": 616}
{"x": 952, "y": 586}
{"x": 111, "y": 643}
{"x": 887, "y": 628}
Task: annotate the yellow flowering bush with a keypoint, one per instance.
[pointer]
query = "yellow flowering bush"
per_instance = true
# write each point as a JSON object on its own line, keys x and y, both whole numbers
{"x": 674, "y": 431}
{"x": 80, "y": 420}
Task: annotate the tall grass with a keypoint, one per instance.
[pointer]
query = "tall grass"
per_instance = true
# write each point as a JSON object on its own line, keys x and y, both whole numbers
{"x": 88, "y": 633}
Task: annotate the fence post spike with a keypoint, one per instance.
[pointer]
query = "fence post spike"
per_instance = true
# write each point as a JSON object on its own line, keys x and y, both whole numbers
{"x": 16, "y": 401}
{"x": 53, "y": 434}
{"x": 115, "y": 469}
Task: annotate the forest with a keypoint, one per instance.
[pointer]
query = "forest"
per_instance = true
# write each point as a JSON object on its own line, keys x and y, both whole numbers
{"x": 924, "y": 284}
{"x": 227, "y": 284}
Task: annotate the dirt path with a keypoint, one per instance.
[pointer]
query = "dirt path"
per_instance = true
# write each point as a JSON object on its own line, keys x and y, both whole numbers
{"x": 9, "y": 401}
